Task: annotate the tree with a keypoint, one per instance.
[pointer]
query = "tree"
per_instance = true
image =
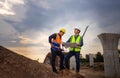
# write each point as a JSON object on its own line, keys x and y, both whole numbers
{"x": 119, "y": 54}
{"x": 99, "y": 57}
{"x": 82, "y": 59}
{"x": 87, "y": 58}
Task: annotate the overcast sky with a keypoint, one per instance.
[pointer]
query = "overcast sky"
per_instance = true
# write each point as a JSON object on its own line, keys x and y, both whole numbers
{"x": 25, "y": 27}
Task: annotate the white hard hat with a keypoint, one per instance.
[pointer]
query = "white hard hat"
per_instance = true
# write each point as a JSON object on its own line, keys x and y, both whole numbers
{"x": 78, "y": 28}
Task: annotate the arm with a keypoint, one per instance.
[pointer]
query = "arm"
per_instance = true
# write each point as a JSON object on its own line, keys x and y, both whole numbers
{"x": 53, "y": 36}
{"x": 68, "y": 41}
{"x": 81, "y": 42}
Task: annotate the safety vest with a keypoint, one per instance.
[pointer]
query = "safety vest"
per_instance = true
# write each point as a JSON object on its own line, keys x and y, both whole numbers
{"x": 58, "y": 39}
{"x": 75, "y": 41}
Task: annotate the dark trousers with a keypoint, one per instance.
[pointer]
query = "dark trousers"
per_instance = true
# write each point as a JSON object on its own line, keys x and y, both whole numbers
{"x": 77, "y": 58}
{"x": 54, "y": 54}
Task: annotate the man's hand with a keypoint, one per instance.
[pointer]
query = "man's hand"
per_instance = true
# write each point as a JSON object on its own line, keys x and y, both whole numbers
{"x": 51, "y": 45}
{"x": 63, "y": 43}
{"x": 78, "y": 44}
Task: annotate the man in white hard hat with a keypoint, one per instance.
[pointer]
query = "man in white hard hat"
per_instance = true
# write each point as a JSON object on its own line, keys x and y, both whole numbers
{"x": 74, "y": 51}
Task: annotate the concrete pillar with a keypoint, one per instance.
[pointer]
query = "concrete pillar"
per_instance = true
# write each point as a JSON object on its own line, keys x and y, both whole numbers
{"x": 72, "y": 63}
{"x": 91, "y": 59}
{"x": 111, "y": 57}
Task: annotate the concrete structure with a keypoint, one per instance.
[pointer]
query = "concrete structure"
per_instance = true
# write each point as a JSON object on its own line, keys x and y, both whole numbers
{"x": 91, "y": 59}
{"x": 110, "y": 48}
{"x": 72, "y": 63}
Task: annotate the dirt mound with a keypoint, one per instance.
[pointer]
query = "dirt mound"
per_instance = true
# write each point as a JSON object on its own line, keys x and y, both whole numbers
{"x": 13, "y": 65}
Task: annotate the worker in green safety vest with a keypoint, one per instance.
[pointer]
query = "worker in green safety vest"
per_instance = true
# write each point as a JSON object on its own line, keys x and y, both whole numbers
{"x": 73, "y": 50}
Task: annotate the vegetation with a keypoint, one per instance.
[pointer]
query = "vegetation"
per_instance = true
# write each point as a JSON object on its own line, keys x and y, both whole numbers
{"x": 98, "y": 58}
{"x": 119, "y": 54}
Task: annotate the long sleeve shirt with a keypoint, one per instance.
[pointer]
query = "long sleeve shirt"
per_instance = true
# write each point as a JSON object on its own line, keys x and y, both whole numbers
{"x": 56, "y": 45}
{"x": 53, "y": 36}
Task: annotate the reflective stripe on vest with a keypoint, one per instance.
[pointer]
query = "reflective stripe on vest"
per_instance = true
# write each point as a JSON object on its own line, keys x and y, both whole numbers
{"x": 58, "y": 39}
{"x": 75, "y": 41}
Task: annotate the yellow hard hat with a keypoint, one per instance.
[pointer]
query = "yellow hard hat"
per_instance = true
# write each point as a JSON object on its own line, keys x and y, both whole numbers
{"x": 63, "y": 30}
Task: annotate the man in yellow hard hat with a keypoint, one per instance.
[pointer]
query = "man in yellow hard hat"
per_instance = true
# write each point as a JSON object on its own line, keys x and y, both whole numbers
{"x": 74, "y": 51}
{"x": 55, "y": 41}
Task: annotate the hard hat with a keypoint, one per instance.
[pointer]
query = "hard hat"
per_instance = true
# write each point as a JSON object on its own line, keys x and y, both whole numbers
{"x": 63, "y": 30}
{"x": 77, "y": 28}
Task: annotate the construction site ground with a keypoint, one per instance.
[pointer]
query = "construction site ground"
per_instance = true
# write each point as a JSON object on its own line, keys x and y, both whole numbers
{"x": 13, "y": 65}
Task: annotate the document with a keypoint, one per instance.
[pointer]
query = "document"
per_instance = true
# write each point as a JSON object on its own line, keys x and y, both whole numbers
{"x": 67, "y": 45}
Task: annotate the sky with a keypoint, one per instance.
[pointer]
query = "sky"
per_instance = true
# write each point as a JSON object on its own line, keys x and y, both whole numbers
{"x": 25, "y": 25}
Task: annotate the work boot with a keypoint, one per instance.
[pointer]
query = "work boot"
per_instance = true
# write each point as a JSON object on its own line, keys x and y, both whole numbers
{"x": 62, "y": 68}
{"x": 55, "y": 71}
{"x": 77, "y": 72}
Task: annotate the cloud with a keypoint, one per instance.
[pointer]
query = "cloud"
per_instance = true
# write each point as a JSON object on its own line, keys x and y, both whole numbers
{"x": 8, "y": 34}
{"x": 25, "y": 40}
{"x": 7, "y": 30}
{"x": 6, "y": 12}
{"x": 57, "y": 15}
{"x": 107, "y": 15}
{"x": 17, "y": 2}
{"x": 6, "y": 7}
{"x": 48, "y": 4}
{"x": 37, "y": 19}
{"x": 44, "y": 4}
{"x": 34, "y": 38}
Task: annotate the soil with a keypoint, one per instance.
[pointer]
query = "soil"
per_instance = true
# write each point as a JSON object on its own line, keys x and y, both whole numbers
{"x": 88, "y": 72}
{"x": 13, "y": 65}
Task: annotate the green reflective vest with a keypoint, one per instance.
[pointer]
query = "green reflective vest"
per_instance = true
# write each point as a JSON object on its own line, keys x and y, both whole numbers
{"x": 75, "y": 41}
